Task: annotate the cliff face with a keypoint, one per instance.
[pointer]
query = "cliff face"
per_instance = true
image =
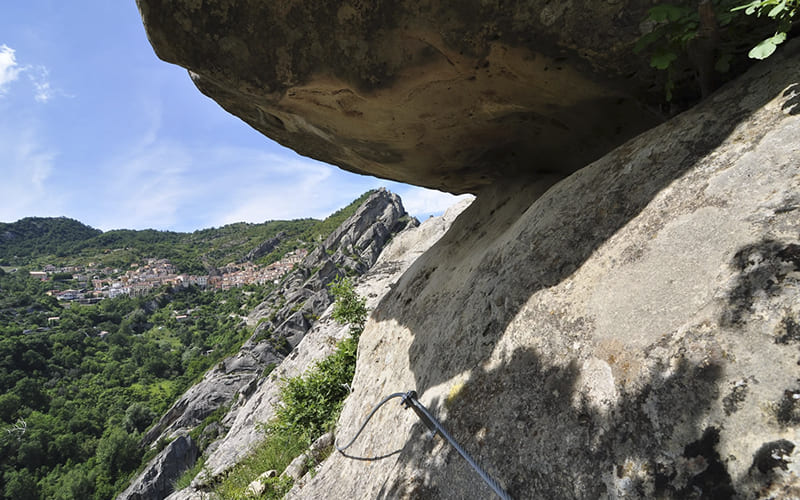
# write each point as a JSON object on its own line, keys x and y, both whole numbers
{"x": 449, "y": 95}
{"x": 632, "y": 332}
{"x": 283, "y": 320}
{"x": 258, "y": 406}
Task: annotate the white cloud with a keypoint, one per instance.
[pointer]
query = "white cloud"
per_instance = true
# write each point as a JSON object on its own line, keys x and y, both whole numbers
{"x": 26, "y": 167}
{"x": 39, "y": 77}
{"x": 263, "y": 186}
{"x": 164, "y": 184}
{"x": 9, "y": 69}
{"x": 143, "y": 189}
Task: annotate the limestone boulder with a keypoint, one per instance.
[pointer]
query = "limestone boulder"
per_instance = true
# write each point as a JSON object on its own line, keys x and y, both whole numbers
{"x": 629, "y": 333}
{"x": 452, "y": 95}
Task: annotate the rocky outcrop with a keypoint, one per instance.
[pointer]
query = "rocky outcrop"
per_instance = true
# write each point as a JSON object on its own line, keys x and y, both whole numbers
{"x": 283, "y": 320}
{"x": 264, "y": 248}
{"x": 631, "y": 332}
{"x": 259, "y": 405}
{"x": 287, "y": 314}
{"x": 443, "y": 94}
{"x": 157, "y": 479}
{"x": 299, "y": 467}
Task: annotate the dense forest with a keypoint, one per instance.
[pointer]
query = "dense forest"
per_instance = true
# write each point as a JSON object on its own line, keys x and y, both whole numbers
{"x": 79, "y": 385}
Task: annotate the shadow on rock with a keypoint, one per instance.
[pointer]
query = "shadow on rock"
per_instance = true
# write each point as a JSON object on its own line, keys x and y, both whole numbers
{"x": 526, "y": 419}
{"x": 527, "y": 423}
{"x": 526, "y": 234}
{"x": 792, "y": 106}
{"x": 763, "y": 268}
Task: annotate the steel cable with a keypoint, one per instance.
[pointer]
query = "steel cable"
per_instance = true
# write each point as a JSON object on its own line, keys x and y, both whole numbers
{"x": 409, "y": 400}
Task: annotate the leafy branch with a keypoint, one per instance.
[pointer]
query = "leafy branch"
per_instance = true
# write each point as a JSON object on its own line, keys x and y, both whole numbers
{"x": 782, "y": 12}
{"x": 709, "y": 34}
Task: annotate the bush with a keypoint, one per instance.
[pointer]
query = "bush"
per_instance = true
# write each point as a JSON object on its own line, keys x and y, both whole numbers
{"x": 275, "y": 453}
{"x": 138, "y": 417}
{"x": 312, "y": 402}
{"x": 348, "y": 308}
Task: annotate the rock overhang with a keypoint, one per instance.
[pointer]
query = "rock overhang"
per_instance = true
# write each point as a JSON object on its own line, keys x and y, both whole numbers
{"x": 447, "y": 95}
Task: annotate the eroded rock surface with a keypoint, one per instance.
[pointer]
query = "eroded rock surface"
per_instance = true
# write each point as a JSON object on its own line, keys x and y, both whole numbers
{"x": 452, "y": 95}
{"x": 632, "y": 332}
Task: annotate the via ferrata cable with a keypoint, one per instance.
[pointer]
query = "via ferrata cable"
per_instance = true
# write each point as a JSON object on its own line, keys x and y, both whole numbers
{"x": 409, "y": 400}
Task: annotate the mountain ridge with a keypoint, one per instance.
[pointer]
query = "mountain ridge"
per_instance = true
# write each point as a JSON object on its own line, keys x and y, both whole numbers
{"x": 45, "y": 240}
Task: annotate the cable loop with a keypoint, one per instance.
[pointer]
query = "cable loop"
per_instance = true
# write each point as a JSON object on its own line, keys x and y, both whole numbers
{"x": 409, "y": 400}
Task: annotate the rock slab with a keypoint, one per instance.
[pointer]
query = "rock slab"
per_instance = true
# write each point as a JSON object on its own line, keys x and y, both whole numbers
{"x": 156, "y": 481}
{"x": 452, "y": 95}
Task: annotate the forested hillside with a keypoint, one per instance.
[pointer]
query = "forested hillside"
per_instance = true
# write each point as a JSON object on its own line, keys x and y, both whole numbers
{"x": 36, "y": 242}
{"x": 79, "y": 384}
{"x": 34, "y": 236}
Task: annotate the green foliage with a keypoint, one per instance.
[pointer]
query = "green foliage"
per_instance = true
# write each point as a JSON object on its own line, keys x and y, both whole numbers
{"x": 34, "y": 236}
{"x": 118, "y": 452}
{"x": 138, "y": 417}
{"x": 274, "y": 453}
{"x": 780, "y": 11}
{"x": 265, "y": 373}
{"x": 85, "y": 399}
{"x": 75, "y": 402}
{"x": 311, "y": 403}
{"x": 310, "y": 406}
{"x": 186, "y": 478}
{"x": 61, "y": 241}
{"x": 688, "y": 37}
{"x": 675, "y": 27}
{"x": 348, "y": 307}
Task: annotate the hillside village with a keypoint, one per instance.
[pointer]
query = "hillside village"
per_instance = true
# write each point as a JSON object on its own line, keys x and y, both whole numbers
{"x": 101, "y": 283}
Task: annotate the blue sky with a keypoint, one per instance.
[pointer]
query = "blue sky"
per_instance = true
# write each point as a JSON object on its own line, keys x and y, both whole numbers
{"x": 95, "y": 127}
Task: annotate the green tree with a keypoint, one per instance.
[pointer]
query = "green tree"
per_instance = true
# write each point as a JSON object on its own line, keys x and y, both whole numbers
{"x": 138, "y": 417}
{"x": 20, "y": 484}
{"x": 118, "y": 452}
{"x": 782, "y": 12}
{"x": 10, "y": 404}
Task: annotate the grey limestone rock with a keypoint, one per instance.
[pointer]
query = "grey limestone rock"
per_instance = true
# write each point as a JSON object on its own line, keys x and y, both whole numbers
{"x": 302, "y": 298}
{"x": 630, "y": 332}
{"x": 305, "y": 298}
{"x": 156, "y": 481}
{"x": 300, "y": 465}
{"x": 257, "y": 487}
